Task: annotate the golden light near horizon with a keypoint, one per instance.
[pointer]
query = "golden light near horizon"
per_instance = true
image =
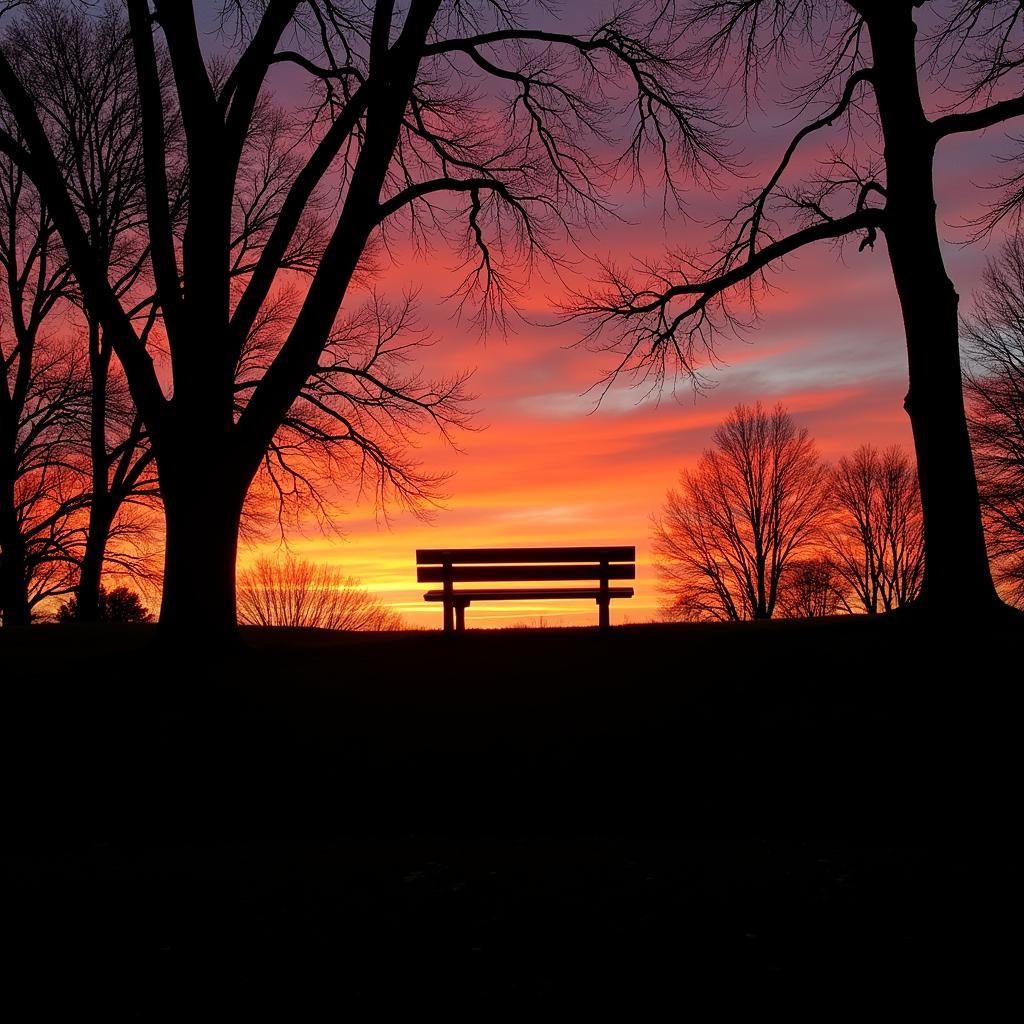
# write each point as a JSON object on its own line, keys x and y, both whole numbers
{"x": 405, "y": 289}
{"x": 551, "y": 469}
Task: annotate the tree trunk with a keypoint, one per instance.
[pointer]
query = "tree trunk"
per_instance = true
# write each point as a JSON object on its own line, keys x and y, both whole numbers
{"x": 956, "y": 576}
{"x": 202, "y": 509}
{"x": 13, "y": 576}
{"x": 87, "y": 594}
{"x": 100, "y": 517}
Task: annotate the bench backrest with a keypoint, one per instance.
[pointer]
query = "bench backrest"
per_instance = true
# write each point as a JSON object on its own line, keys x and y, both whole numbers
{"x": 507, "y": 565}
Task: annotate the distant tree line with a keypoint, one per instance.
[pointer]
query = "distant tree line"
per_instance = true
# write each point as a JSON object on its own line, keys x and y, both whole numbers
{"x": 762, "y": 528}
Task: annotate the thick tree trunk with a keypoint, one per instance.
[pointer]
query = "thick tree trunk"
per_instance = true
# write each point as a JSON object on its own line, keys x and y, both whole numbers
{"x": 13, "y": 576}
{"x": 203, "y": 508}
{"x": 957, "y": 576}
{"x": 87, "y": 594}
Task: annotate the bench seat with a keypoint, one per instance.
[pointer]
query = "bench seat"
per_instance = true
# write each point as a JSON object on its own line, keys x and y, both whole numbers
{"x": 536, "y": 593}
{"x": 512, "y": 565}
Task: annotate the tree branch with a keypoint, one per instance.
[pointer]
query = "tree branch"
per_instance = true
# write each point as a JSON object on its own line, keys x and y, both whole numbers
{"x": 649, "y": 331}
{"x": 244, "y": 83}
{"x": 195, "y": 91}
{"x": 424, "y": 188}
{"x": 297, "y": 357}
{"x": 862, "y": 220}
{"x": 292, "y": 208}
{"x": 864, "y": 75}
{"x": 161, "y": 235}
{"x": 298, "y": 59}
{"x": 43, "y": 169}
{"x": 977, "y": 120}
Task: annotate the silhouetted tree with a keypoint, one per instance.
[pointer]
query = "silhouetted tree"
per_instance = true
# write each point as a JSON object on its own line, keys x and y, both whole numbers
{"x": 755, "y": 503}
{"x": 994, "y": 382}
{"x": 120, "y": 604}
{"x": 475, "y": 120}
{"x": 293, "y": 592}
{"x": 82, "y": 78}
{"x": 877, "y": 540}
{"x": 868, "y": 72}
{"x": 811, "y": 588}
{"x": 42, "y": 404}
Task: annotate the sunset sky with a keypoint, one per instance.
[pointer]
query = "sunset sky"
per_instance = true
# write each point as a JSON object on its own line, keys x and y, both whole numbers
{"x": 548, "y": 468}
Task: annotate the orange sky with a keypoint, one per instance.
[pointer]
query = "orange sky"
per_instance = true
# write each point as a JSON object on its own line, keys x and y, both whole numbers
{"x": 549, "y": 470}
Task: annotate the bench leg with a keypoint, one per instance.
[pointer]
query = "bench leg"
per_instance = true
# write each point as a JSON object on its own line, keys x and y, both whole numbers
{"x": 603, "y": 618}
{"x": 460, "y": 617}
{"x": 449, "y": 620}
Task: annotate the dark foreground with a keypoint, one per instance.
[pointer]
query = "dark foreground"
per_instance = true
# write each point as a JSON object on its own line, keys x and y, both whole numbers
{"x": 506, "y": 816}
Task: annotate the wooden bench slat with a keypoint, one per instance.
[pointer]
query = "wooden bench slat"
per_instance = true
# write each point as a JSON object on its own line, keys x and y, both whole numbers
{"x": 534, "y": 593}
{"x": 512, "y": 565}
{"x": 464, "y": 556}
{"x": 516, "y": 573}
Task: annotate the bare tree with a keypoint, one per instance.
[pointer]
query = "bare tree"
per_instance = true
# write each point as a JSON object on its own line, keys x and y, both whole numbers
{"x": 83, "y": 80}
{"x": 868, "y": 71}
{"x": 474, "y": 121}
{"x": 878, "y": 537}
{"x": 811, "y": 588}
{"x": 42, "y": 402}
{"x": 292, "y": 592}
{"x": 755, "y": 503}
{"x": 994, "y": 383}
{"x": 41, "y": 541}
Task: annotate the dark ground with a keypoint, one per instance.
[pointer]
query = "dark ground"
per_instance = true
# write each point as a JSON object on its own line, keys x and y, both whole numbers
{"x": 508, "y": 817}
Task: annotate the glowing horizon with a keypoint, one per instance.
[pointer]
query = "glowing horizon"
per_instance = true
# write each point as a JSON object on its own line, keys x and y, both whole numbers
{"x": 549, "y": 469}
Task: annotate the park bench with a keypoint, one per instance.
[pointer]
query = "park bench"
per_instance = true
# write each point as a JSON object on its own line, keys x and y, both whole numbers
{"x": 449, "y": 566}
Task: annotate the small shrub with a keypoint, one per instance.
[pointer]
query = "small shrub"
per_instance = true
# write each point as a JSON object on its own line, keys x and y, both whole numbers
{"x": 118, "y": 605}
